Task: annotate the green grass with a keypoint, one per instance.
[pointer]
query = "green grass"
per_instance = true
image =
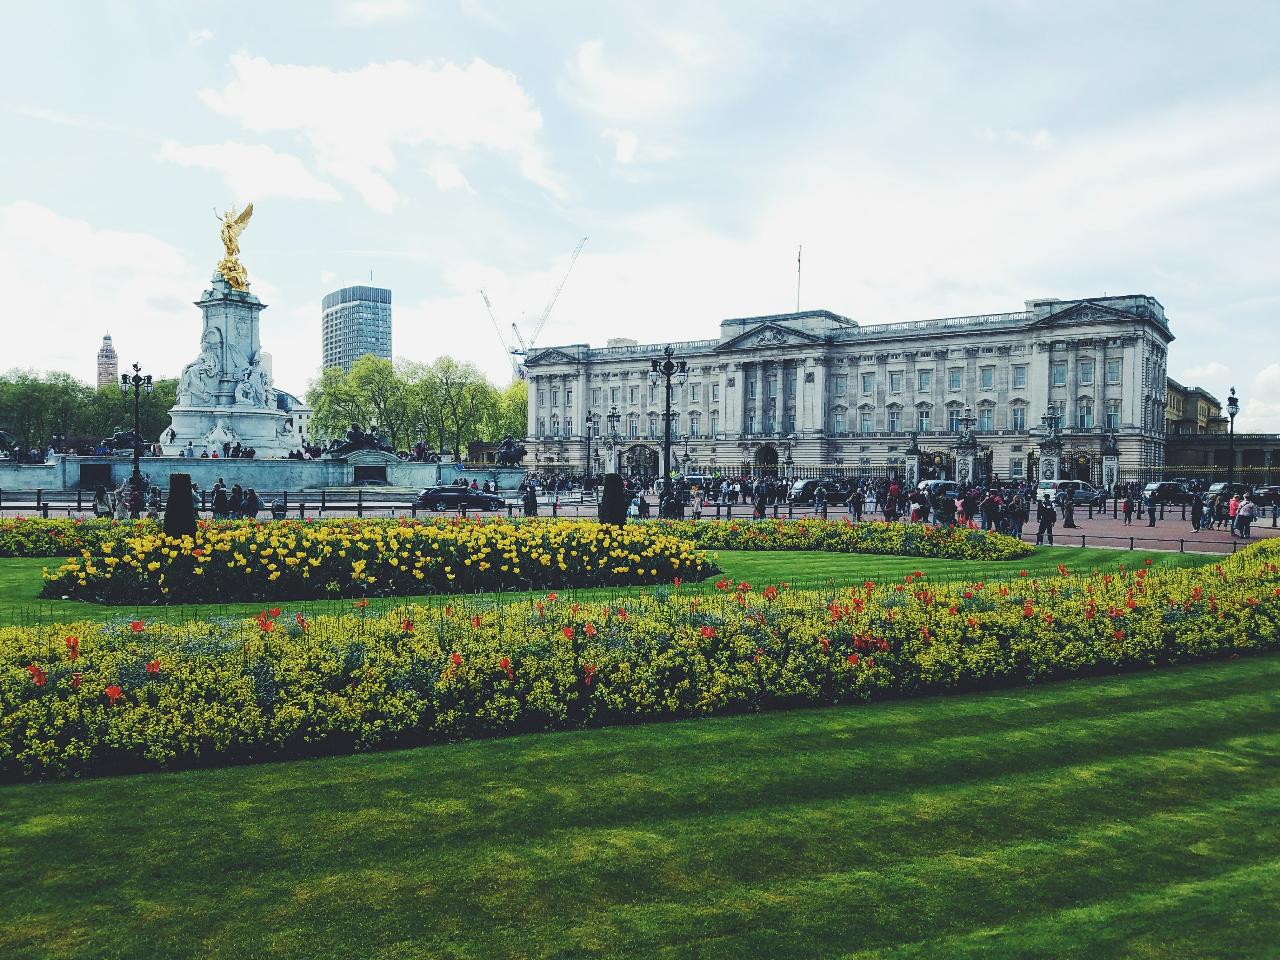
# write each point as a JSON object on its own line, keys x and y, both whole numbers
{"x": 20, "y": 580}
{"x": 1133, "y": 816}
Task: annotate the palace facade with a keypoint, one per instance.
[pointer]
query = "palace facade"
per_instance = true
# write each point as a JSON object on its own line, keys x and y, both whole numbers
{"x": 813, "y": 391}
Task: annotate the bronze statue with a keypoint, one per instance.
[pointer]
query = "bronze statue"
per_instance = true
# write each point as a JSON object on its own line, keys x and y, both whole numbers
{"x": 233, "y": 224}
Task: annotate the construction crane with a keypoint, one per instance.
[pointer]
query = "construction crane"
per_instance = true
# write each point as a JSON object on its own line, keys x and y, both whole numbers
{"x": 515, "y": 365}
{"x": 526, "y": 346}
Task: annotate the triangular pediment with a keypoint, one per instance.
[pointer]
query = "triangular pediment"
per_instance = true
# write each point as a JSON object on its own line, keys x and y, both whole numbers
{"x": 551, "y": 355}
{"x": 1086, "y": 311}
{"x": 768, "y": 335}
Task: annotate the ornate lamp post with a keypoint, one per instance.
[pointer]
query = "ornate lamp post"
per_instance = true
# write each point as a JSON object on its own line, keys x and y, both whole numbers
{"x": 1233, "y": 407}
{"x": 137, "y": 383}
{"x": 593, "y": 421}
{"x": 666, "y": 370}
{"x": 613, "y": 439}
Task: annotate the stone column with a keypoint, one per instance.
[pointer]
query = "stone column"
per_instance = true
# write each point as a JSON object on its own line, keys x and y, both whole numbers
{"x": 757, "y": 374}
{"x": 533, "y": 408}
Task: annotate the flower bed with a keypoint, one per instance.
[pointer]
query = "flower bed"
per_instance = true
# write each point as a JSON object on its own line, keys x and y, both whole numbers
{"x": 293, "y": 560}
{"x": 107, "y": 697}
{"x": 37, "y": 537}
{"x": 843, "y": 536}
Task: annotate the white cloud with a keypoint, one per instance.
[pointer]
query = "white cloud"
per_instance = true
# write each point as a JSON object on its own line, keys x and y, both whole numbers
{"x": 624, "y": 145}
{"x": 377, "y": 11}
{"x": 79, "y": 282}
{"x": 356, "y": 120}
{"x": 1039, "y": 139}
{"x": 1204, "y": 373}
{"x": 198, "y": 37}
{"x": 252, "y": 171}
{"x": 447, "y": 175}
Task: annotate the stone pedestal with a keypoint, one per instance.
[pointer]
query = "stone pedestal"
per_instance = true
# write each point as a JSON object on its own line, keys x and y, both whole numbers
{"x": 1051, "y": 460}
{"x": 225, "y": 395}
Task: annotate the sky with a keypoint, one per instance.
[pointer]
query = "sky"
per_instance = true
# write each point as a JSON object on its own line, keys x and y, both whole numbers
{"x": 933, "y": 158}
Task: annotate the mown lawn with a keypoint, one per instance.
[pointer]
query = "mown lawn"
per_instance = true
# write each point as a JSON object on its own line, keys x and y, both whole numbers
{"x": 1131, "y": 816}
{"x": 20, "y": 580}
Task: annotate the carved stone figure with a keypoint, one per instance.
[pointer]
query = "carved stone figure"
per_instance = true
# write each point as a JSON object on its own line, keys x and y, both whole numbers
{"x": 199, "y": 381}
{"x": 358, "y": 439}
{"x": 219, "y": 435}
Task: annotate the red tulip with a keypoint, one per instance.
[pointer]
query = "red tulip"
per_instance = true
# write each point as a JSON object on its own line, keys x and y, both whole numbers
{"x": 588, "y": 674}
{"x": 153, "y": 666}
{"x": 361, "y": 604}
{"x": 73, "y": 648}
{"x": 455, "y": 658}
{"x": 75, "y": 680}
{"x": 137, "y": 626}
{"x": 589, "y": 629}
{"x": 273, "y": 612}
{"x": 475, "y": 623}
{"x": 1119, "y": 634}
{"x": 505, "y": 665}
{"x": 676, "y": 582}
{"x": 37, "y": 675}
{"x": 853, "y": 659}
{"x": 407, "y": 626}
{"x": 568, "y": 633}
{"x": 708, "y": 632}
{"x": 770, "y": 592}
{"x": 622, "y": 614}
{"x": 825, "y": 644}
{"x": 551, "y": 598}
{"x": 113, "y": 693}
{"x": 303, "y": 623}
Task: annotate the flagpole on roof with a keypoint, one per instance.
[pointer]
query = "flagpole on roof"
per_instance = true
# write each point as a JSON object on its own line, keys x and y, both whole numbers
{"x": 799, "y": 250}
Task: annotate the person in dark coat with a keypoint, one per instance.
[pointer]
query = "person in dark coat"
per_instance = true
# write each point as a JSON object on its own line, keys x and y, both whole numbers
{"x": 1046, "y": 517}
{"x": 235, "y": 503}
{"x": 613, "y": 501}
{"x": 530, "y": 501}
{"x": 180, "y": 513}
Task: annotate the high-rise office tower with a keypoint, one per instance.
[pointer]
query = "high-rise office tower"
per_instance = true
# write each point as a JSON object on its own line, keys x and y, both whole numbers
{"x": 108, "y": 363}
{"x": 355, "y": 321}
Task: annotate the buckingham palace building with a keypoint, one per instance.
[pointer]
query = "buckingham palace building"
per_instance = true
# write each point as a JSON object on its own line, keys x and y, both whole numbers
{"x": 813, "y": 392}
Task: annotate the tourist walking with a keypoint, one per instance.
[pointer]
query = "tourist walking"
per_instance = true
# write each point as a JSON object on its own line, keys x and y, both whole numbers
{"x": 1127, "y": 510}
{"x": 1244, "y": 516}
{"x": 1046, "y": 517}
{"x": 1017, "y": 515}
{"x": 1233, "y": 511}
{"x": 102, "y": 505}
{"x": 1149, "y": 504}
{"x": 235, "y": 503}
{"x": 1197, "y": 512}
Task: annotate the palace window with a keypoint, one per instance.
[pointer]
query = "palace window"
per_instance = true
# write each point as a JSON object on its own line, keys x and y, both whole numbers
{"x": 1018, "y": 417}
{"x": 769, "y": 421}
{"x": 715, "y": 422}
{"x": 751, "y": 421}
{"x": 1113, "y": 371}
{"x": 1084, "y": 414}
{"x": 1086, "y": 372}
{"x": 789, "y": 422}
{"x": 924, "y": 381}
{"x": 1015, "y": 467}
{"x": 542, "y": 398}
{"x": 751, "y": 388}
{"x": 595, "y": 396}
{"x": 555, "y": 425}
{"x": 653, "y": 393}
{"x": 923, "y": 416}
{"x": 695, "y": 392}
{"x": 987, "y": 378}
{"x": 771, "y": 387}
{"x": 633, "y": 394}
{"x": 555, "y": 397}
{"x": 1019, "y": 376}
{"x": 953, "y": 419}
{"x": 895, "y": 420}
{"x": 1113, "y": 414}
{"x": 868, "y": 383}
{"x": 837, "y": 421}
{"x": 866, "y": 423}
{"x": 955, "y": 378}
{"x": 653, "y": 426}
{"x": 568, "y": 426}
{"x": 633, "y": 425}
{"x": 839, "y": 384}
{"x": 568, "y": 396}
{"x": 613, "y": 395}
{"x": 986, "y": 419}
{"x": 1058, "y": 373}
{"x": 542, "y": 427}
{"x": 715, "y": 393}
{"x": 895, "y": 381}
{"x": 695, "y": 424}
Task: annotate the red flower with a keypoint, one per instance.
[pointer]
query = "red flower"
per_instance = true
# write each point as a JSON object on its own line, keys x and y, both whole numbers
{"x": 744, "y": 587}
{"x": 568, "y": 633}
{"x": 273, "y": 612}
{"x": 303, "y": 623}
{"x": 37, "y": 675}
{"x": 707, "y": 632}
{"x": 153, "y": 666}
{"x": 361, "y": 604}
{"x": 622, "y": 614}
{"x": 551, "y": 598}
{"x": 1147, "y": 561}
{"x": 137, "y": 626}
{"x": 853, "y": 659}
{"x": 1022, "y": 573}
{"x": 588, "y": 674}
{"x": 676, "y": 583}
{"x": 505, "y": 665}
{"x": 770, "y": 592}
{"x": 539, "y": 607}
{"x": 1027, "y": 609}
{"x": 113, "y": 693}
{"x": 1119, "y": 634}
{"x": 475, "y": 623}
{"x": 73, "y": 648}
{"x": 971, "y": 623}
{"x": 455, "y": 658}
{"x": 407, "y": 626}
{"x": 589, "y": 629}
{"x": 722, "y": 584}
{"x": 825, "y": 644}
{"x": 1062, "y": 569}
{"x": 75, "y": 680}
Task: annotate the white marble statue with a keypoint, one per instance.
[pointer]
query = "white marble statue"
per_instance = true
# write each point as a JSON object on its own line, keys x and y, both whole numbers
{"x": 199, "y": 382}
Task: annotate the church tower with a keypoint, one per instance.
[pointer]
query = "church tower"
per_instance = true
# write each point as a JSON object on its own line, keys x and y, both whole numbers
{"x": 108, "y": 364}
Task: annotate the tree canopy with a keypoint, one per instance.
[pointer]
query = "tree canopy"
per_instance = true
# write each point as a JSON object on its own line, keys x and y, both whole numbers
{"x": 34, "y": 407}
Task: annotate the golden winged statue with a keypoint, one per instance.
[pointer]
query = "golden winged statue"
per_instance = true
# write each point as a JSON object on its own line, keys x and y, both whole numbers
{"x": 233, "y": 224}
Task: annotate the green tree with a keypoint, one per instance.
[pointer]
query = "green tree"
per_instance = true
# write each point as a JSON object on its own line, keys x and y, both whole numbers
{"x": 513, "y": 412}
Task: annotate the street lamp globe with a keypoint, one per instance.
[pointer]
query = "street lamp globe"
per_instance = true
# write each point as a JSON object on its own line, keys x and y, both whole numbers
{"x": 1233, "y": 404}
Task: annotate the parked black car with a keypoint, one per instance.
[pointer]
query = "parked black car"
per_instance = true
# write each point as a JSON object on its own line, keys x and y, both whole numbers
{"x": 1266, "y": 496}
{"x": 454, "y": 497}
{"x": 1166, "y": 492}
{"x": 803, "y": 491}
